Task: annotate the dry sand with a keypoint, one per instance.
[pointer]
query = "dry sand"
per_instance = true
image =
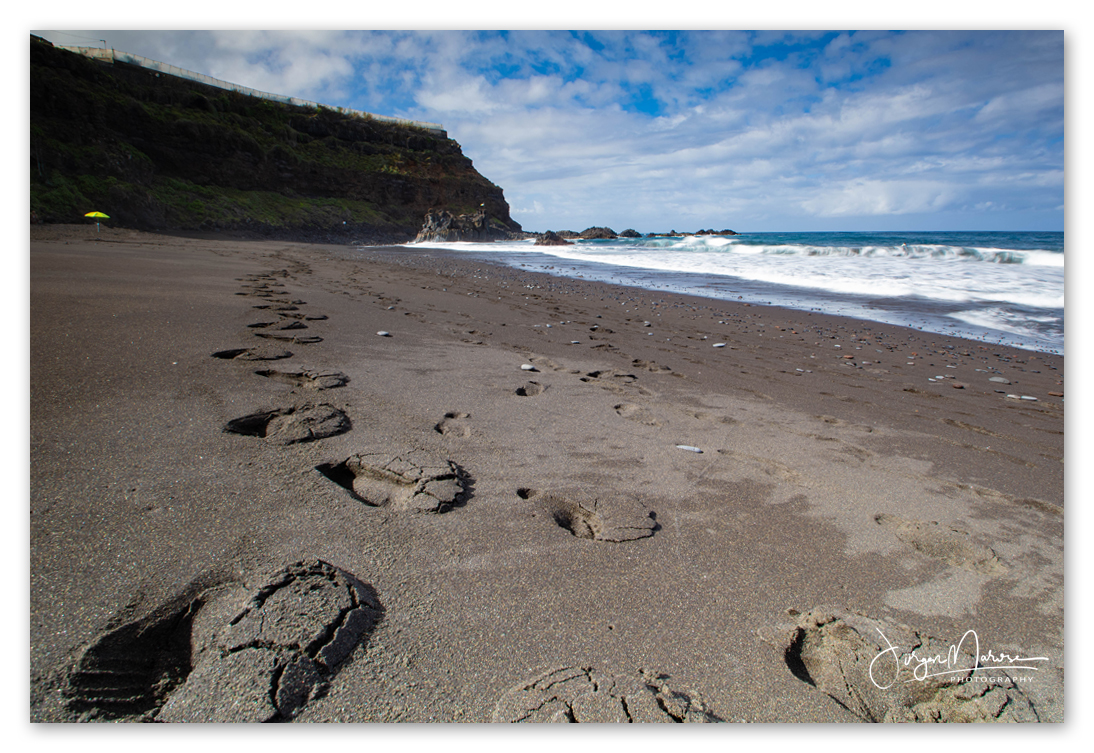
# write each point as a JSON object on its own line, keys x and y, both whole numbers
{"x": 415, "y": 528}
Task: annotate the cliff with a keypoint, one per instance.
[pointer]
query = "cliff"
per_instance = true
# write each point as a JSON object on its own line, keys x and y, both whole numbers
{"x": 157, "y": 152}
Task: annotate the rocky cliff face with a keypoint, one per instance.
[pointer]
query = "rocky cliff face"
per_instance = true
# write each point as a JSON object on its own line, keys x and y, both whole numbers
{"x": 163, "y": 153}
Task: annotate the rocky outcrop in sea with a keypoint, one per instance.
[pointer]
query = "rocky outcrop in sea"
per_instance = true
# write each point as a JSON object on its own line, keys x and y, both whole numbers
{"x": 444, "y": 226}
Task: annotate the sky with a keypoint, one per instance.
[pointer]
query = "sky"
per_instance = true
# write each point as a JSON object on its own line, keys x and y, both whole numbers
{"x": 747, "y": 130}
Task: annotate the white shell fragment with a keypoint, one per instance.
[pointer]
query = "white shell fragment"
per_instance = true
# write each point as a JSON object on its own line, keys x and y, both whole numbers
{"x": 527, "y": 367}
{"x": 718, "y": 345}
{"x": 384, "y": 333}
{"x": 689, "y": 448}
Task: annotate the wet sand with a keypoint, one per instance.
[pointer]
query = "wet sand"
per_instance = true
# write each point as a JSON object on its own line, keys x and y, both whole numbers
{"x": 248, "y": 505}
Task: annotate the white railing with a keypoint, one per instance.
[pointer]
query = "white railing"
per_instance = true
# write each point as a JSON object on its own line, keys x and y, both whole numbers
{"x": 99, "y": 53}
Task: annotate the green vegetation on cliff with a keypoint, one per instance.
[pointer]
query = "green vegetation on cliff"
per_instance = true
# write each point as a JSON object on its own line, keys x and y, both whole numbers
{"x": 163, "y": 153}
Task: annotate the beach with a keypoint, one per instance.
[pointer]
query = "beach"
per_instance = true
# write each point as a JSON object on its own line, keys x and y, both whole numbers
{"x": 532, "y": 498}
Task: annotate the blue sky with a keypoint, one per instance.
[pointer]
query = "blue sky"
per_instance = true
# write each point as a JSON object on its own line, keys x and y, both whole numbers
{"x": 754, "y": 131}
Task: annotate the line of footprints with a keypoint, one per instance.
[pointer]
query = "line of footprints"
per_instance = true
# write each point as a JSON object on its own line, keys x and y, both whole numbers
{"x": 262, "y": 647}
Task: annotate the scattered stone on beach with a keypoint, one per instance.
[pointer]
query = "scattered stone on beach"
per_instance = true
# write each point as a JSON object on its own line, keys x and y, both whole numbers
{"x": 689, "y": 448}
{"x": 384, "y": 333}
{"x": 999, "y": 380}
{"x": 950, "y": 545}
{"x": 587, "y": 694}
{"x": 528, "y": 367}
{"x": 718, "y": 345}
{"x": 212, "y": 654}
{"x": 601, "y": 516}
{"x": 860, "y": 662}
{"x": 293, "y": 424}
{"x": 959, "y": 385}
{"x": 412, "y": 481}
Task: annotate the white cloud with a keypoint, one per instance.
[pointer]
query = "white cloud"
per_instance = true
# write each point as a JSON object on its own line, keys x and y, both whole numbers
{"x": 878, "y": 197}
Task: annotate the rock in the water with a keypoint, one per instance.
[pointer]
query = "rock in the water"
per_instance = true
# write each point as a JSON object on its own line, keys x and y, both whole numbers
{"x": 551, "y": 238}
{"x": 445, "y": 226}
{"x": 594, "y": 233}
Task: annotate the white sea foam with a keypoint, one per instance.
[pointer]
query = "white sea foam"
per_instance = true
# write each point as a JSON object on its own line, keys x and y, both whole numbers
{"x": 996, "y": 288}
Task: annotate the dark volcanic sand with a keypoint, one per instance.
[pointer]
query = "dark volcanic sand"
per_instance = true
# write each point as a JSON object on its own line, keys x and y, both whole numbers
{"x": 490, "y": 531}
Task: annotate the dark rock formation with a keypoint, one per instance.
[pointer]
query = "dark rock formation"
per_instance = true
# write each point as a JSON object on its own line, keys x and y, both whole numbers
{"x": 630, "y": 233}
{"x": 445, "y": 226}
{"x": 552, "y": 239}
{"x": 594, "y": 233}
{"x": 678, "y": 234}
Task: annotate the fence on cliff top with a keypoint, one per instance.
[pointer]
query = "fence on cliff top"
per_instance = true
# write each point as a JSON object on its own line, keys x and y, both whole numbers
{"x": 113, "y": 56}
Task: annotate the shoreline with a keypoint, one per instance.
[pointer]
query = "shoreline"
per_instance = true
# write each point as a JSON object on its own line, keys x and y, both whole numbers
{"x": 849, "y": 484}
{"x": 957, "y": 318}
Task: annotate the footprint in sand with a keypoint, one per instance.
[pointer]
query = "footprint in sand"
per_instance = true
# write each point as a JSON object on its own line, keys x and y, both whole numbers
{"x": 844, "y": 655}
{"x": 636, "y": 413}
{"x": 253, "y": 354}
{"x": 604, "y": 516}
{"x": 296, "y": 339}
{"x": 312, "y": 380}
{"x": 275, "y": 307}
{"x": 291, "y": 425}
{"x": 219, "y": 652}
{"x": 638, "y": 363}
{"x": 587, "y": 694}
{"x": 454, "y": 423}
{"x": 617, "y": 382}
{"x": 413, "y": 481}
{"x": 546, "y": 364}
{"x": 279, "y": 325}
{"x": 950, "y": 545}
{"x": 531, "y": 389}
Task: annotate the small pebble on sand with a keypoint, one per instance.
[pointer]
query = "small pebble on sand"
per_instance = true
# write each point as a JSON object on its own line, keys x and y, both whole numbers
{"x": 384, "y": 333}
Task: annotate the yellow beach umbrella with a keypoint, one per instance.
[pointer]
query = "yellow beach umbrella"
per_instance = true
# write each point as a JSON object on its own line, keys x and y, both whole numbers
{"x": 97, "y": 216}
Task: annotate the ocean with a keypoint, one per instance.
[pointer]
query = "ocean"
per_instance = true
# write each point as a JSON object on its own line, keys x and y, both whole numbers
{"x": 995, "y": 287}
